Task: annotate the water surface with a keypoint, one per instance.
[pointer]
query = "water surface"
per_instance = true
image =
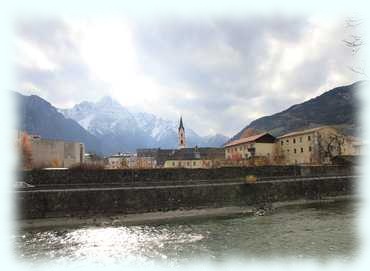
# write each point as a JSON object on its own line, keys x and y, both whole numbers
{"x": 320, "y": 231}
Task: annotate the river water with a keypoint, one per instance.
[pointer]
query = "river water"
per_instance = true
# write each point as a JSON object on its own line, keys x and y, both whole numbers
{"x": 319, "y": 231}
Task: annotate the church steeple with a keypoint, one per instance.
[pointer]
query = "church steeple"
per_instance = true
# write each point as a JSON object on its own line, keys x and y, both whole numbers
{"x": 182, "y": 141}
{"x": 181, "y": 125}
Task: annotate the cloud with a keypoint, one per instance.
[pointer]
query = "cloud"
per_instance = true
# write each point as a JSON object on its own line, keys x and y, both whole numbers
{"x": 219, "y": 73}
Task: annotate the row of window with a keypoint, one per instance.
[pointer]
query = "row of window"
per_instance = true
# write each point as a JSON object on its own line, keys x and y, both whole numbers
{"x": 302, "y": 150}
{"x": 236, "y": 148}
{"x": 294, "y": 140}
{"x": 180, "y": 164}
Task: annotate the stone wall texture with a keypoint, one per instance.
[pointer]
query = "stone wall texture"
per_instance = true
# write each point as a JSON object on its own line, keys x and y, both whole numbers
{"x": 108, "y": 200}
{"x": 51, "y": 177}
{"x": 120, "y": 201}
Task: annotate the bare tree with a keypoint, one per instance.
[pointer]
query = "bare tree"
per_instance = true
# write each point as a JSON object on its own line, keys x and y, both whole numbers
{"x": 26, "y": 151}
{"x": 329, "y": 146}
{"x": 355, "y": 42}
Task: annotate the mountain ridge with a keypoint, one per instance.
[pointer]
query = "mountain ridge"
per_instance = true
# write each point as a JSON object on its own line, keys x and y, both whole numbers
{"x": 148, "y": 130}
{"x": 38, "y": 116}
{"x": 106, "y": 127}
{"x": 335, "y": 107}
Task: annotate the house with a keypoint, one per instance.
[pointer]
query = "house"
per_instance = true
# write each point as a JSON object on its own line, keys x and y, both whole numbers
{"x": 194, "y": 158}
{"x": 314, "y": 146}
{"x": 260, "y": 145}
{"x": 118, "y": 161}
{"x": 157, "y": 156}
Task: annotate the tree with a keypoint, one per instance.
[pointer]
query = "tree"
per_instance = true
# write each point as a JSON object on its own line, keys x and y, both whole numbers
{"x": 330, "y": 145}
{"x": 26, "y": 151}
{"x": 355, "y": 42}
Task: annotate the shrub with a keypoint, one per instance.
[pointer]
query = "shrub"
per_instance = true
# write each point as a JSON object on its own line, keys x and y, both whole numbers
{"x": 87, "y": 166}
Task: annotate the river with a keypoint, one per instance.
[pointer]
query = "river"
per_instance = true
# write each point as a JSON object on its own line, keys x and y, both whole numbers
{"x": 319, "y": 231}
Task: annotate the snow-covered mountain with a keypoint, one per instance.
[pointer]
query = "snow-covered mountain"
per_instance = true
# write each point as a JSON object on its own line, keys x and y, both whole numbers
{"x": 121, "y": 130}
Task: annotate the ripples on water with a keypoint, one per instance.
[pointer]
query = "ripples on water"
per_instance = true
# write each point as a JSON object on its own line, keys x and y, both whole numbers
{"x": 323, "y": 231}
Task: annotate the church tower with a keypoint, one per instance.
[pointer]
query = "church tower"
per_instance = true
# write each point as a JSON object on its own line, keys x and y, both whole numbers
{"x": 182, "y": 142}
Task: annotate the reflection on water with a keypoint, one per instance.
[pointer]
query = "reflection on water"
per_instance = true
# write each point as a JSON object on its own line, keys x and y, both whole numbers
{"x": 320, "y": 231}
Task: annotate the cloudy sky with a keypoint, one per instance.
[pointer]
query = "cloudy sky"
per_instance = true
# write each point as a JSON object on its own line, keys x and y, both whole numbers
{"x": 219, "y": 73}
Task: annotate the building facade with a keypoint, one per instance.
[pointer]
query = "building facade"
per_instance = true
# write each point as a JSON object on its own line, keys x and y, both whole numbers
{"x": 261, "y": 145}
{"x": 195, "y": 158}
{"x": 314, "y": 146}
{"x": 53, "y": 153}
{"x": 118, "y": 161}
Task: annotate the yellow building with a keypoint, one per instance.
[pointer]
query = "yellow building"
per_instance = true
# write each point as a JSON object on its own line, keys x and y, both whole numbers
{"x": 313, "y": 146}
{"x": 261, "y": 145}
{"x": 193, "y": 163}
{"x": 194, "y": 158}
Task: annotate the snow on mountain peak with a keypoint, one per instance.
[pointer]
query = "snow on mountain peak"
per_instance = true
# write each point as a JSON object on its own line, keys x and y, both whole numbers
{"x": 125, "y": 130}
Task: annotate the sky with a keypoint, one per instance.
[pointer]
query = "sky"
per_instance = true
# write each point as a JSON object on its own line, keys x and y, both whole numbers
{"x": 219, "y": 73}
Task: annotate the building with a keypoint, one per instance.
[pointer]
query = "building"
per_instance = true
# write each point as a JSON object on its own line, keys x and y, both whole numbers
{"x": 50, "y": 152}
{"x": 314, "y": 146}
{"x": 132, "y": 160}
{"x": 118, "y": 161}
{"x": 181, "y": 135}
{"x": 195, "y": 158}
{"x": 185, "y": 157}
{"x": 261, "y": 145}
{"x": 158, "y": 156}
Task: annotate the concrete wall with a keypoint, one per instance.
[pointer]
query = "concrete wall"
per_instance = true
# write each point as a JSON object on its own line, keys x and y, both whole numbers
{"x": 55, "y": 153}
{"x": 48, "y": 153}
{"x": 90, "y": 202}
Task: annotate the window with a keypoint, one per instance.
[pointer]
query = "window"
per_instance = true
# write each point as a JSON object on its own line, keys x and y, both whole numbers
{"x": 295, "y": 150}
{"x": 294, "y": 140}
{"x": 301, "y": 149}
{"x": 309, "y": 138}
{"x": 194, "y": 163}
{"x": 309, "y": 148}
{"x": 282, "y": 143}
{"x": 300, "y": 139}
{"x": 240, "y": 148}
{"x": 287, "y": 141}
{"x": 181, "y": 142}
{"x": 188, "y": 163}
{"x": 173, "y": 163}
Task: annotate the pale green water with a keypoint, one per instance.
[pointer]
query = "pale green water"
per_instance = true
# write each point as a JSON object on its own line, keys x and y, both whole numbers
{"x": 320, "y": 231}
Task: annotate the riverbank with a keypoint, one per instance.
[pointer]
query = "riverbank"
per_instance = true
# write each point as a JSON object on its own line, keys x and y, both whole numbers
{"x": 166, "y": 217}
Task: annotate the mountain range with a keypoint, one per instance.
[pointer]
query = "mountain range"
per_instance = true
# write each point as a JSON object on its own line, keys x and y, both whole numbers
{"x": 105, "y": 127}
{"x": 337, "y": 107}
{"x": 37, "y": 116}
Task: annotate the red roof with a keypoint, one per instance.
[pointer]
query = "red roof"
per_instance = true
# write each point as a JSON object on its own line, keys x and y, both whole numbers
{"x": 245, "y": 140}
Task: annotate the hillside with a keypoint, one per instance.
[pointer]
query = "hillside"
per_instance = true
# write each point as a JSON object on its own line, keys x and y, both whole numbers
{"x": 337, "y": 107}
{"x": 37, "y": 116}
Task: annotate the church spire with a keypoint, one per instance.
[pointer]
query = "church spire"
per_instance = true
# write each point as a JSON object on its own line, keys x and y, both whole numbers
{"x": 181, "y": 125}
{"x": 182, "y": 141}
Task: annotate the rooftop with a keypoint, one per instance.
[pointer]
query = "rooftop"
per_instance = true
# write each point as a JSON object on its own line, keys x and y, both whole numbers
{"x": 248, "y": 139}
{"x": 311, "y": 130}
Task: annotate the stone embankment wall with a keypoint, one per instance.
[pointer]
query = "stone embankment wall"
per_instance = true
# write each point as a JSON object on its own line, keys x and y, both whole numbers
{"x": 109, "y": 200}
{"x": 70, "y": 177}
